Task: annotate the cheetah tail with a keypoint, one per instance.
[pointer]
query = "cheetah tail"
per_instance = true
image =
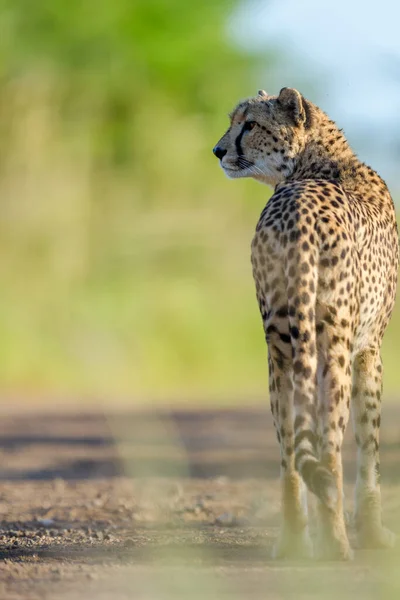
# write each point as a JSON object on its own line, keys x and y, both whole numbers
{"x": 302, "y": 308}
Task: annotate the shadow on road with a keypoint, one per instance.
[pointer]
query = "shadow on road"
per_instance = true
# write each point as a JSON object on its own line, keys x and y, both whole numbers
{"x": 198, "y": 443}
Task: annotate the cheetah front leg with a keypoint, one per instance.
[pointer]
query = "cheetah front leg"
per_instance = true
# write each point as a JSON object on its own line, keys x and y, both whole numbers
{"x": 366, "y": 414}
{"x": 294, "y": 539}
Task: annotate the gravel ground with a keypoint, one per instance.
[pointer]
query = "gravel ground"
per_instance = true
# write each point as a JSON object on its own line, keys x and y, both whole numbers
{"x": 158, "y": 506}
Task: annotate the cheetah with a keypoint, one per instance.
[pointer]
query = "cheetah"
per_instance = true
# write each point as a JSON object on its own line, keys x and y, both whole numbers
{"x": 325, "y": 260}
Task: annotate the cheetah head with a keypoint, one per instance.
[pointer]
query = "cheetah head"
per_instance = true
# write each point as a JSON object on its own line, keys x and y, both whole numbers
{"x": 265, "y": 137}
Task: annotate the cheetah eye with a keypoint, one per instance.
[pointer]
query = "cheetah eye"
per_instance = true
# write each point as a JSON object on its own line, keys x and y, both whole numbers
{"x": 249, "y": 125}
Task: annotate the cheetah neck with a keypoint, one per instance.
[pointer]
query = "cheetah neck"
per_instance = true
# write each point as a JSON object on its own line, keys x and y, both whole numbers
{"x": 328, "y": 155}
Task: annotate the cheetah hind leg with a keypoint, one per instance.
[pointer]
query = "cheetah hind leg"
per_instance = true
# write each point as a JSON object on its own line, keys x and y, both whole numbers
{"x": 366, "y": 409}
{"x": 332, "y": 542}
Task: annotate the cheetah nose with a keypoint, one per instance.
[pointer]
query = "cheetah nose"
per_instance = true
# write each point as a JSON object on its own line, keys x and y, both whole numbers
{"x": 219, "y": 152}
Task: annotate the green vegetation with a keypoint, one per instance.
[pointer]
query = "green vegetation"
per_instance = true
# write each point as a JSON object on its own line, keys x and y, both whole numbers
{"x": 124, "y": 251}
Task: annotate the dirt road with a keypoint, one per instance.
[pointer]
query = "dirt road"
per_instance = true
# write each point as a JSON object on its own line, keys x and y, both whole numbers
{"x": 160, "y": 506}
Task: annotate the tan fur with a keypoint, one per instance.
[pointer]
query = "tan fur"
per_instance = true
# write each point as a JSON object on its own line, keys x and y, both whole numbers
{"x": 325, "y": 260}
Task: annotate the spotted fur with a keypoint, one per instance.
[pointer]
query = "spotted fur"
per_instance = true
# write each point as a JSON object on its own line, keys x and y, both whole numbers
{"x": 325, "y": 259}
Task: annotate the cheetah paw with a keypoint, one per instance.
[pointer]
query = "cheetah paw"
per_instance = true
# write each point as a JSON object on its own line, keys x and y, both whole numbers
{"x": 293, "y": 546}
{"x": 378, "y": 537}
{"x": 333, "y": 549}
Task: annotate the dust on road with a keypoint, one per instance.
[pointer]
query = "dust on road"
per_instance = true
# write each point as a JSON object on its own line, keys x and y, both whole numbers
{"x": 167, "y": 505}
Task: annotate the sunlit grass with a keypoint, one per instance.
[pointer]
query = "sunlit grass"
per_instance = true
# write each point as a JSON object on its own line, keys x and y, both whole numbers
{"x": 130, "y": 281}
{"x": 134, "y": 281}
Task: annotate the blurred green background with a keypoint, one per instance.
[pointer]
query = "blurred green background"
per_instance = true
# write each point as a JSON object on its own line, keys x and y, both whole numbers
{"x": 124, "y": 256}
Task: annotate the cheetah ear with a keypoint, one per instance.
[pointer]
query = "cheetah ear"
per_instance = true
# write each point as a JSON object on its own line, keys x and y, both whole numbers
{"x": 262, "y": 93}
{"x": 293, "y": 102}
